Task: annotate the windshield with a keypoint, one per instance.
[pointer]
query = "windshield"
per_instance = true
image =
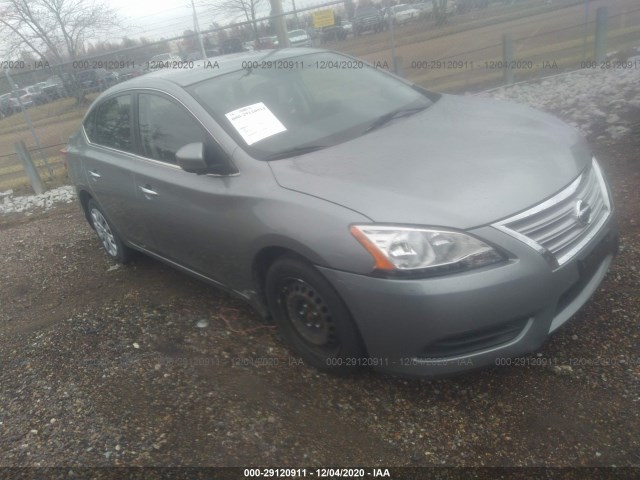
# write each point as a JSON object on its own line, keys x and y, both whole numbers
{"x": 318, "y": 100}
{"x": 297, "y": 33}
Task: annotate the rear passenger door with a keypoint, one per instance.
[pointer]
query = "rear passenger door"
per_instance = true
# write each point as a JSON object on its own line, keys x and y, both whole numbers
{"x": 107, "y": 161}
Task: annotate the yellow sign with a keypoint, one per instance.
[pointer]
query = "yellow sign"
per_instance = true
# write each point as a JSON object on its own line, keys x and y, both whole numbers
{"x": 323, "y": 18}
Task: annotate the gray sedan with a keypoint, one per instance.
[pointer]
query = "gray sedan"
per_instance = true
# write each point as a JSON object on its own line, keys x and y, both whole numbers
{"x": 378, "y": 224}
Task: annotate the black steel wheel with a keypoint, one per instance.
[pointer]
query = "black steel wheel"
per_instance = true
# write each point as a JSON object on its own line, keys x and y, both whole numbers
{"x": 311, "y": 317}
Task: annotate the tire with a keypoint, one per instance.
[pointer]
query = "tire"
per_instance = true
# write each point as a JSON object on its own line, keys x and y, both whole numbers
{"x": 107, "y": 235}
{"x": 297, "y": 294}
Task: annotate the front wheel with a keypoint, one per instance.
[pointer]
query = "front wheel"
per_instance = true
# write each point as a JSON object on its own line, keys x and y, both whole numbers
{"x": 110, "y": 240}
{"x": 311, "y": 317}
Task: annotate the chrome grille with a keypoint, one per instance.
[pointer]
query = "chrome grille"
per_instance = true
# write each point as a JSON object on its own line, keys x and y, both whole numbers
{"x": 559, "y": 226}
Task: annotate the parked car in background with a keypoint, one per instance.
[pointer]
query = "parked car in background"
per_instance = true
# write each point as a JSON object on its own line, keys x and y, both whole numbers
{"x": 96, "y": 79}
{"x": 299, "y": 38}
{"x": 6, "y": 105}
{"x": 463, "y": 6}
{"x": 347, "y": 27}
{"x": 111, "y": 77}
{"x": 332, "y": 33}
{"x": 367, "y": 18}
{"x": 379, "y": 224}
{"x": 37, "y": 96}
{"x": 128, "y": 73}
{"x": 426, "y": 7}
{"x": 451, "y": 7}
{"x": 53, "y": 88}
{"x": 403, "y": 13}
{"x": 264, "y": 43}
{"x": 197, "y": 55}
{"x": 24, "y": 96}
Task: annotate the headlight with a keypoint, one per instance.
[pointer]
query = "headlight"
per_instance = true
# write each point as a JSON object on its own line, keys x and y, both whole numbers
{"x": 406, "y": 249}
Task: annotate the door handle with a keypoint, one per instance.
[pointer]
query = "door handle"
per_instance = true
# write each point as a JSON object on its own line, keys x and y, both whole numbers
{"x": 94, "y": 174}
{"x": 147, "y": 191}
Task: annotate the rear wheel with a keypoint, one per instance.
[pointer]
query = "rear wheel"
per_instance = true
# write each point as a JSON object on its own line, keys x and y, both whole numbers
{"x": 110, "y": 240}
{"x": 311, "y": 317}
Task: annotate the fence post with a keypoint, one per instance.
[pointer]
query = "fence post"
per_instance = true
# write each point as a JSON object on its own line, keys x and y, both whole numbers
{"x": 602, "y": 15}
{"x": 396, "y": 61}
{"x": 507, "y": 58}
{"x": 29, "y": 167}
{"x": 397, "y": 65}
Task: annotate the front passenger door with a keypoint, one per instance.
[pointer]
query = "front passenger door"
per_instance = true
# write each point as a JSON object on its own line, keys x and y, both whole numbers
{"x": 187, "y": 213}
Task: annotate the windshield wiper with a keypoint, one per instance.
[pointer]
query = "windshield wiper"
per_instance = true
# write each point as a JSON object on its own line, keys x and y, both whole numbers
{"x": 387, "y": 117}
{"x": 295, "y": 151}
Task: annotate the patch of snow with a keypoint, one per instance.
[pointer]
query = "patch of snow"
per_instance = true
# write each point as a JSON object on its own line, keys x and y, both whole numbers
{"x": 27, "y": 203}
{"x": 596, "y": 102}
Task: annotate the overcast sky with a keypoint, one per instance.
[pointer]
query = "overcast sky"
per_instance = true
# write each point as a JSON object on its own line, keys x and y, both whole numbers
{"x": 155, "y": 19}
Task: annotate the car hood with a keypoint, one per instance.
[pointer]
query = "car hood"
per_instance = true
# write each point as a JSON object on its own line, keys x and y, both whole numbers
{"x": 463, "y": 162}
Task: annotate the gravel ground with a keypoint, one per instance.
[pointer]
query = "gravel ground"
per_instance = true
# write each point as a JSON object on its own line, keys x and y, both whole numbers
{"x": 142, "y": 366}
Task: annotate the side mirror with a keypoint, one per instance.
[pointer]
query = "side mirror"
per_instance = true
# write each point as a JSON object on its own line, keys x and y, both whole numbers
{"x": 191, "y": 158}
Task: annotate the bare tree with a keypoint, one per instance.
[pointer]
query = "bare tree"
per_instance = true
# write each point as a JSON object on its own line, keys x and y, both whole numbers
{"x": 440, "y": 11}
{"x": 248, "y": 9}
{"x": 54, "y": 30}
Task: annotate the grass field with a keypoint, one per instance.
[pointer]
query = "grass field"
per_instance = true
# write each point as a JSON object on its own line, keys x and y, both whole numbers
{"x": 53, "y": 123}
{"x": 56, "y": 111}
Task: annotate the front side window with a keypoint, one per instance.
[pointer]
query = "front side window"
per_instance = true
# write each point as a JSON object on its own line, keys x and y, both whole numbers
{"x": 109, "y": 124}
{"x": 165, "y": 127}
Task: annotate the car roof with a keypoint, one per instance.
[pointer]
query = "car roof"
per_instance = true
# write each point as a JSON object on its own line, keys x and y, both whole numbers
{"x": 225, "y": 64}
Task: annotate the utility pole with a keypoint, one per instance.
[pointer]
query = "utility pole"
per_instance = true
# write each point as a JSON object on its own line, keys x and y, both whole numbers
{"x": 602, "y": 16}
{"x": 295, "y": 13}
{"x": 197, "y": 29}
{"x": 281, "y": 28}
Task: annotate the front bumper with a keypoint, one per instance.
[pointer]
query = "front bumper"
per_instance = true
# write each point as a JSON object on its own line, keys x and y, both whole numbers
{"x": 444, "y": 325}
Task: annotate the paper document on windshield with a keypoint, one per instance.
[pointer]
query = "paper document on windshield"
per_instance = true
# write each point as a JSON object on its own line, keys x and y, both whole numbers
{"x": 255, "y": 122}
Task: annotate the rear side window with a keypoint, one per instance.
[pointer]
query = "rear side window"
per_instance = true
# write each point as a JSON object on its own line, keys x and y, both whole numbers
{"x": 110, "y": 124}
{"x": 165, "y": 127}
